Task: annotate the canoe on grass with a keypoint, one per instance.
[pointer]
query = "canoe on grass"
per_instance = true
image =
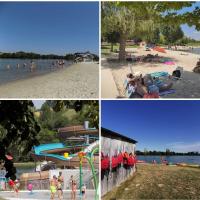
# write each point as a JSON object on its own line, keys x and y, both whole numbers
{"x": 188, "y": 165}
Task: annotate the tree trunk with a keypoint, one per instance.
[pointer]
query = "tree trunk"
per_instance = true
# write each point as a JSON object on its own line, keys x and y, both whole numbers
{"x": 112, "y": 47}
{"x": 122, "y": 48}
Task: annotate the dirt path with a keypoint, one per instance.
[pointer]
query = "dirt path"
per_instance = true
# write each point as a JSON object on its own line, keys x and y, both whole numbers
{"x": 159, "y": 182}
{"x": 108, "y": 86}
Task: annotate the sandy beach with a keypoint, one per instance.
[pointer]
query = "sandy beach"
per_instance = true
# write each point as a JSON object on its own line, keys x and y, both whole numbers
{"x": 76, "y": 81}
{"x": 188, "y": 87}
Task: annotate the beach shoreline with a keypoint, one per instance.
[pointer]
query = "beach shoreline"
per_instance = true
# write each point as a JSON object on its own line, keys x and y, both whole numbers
{"x": 188, "y": 87}
{"x": 35, "y": 73}
{"x": 75, "y": 81}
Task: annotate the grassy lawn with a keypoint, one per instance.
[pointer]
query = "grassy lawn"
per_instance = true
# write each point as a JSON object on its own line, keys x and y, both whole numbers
{"x": 25, "y": 164}
{"x": 159, "y": 182}
{"x": 105, "y": 49}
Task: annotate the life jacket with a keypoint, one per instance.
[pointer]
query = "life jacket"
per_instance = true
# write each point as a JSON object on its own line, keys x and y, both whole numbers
{"x": 120, "y": 158}
{"x": 105, "y": 163}
{"x": 125, "y": 158}
{"x": 114, "y": 161}
{"x": 131, "y": 161}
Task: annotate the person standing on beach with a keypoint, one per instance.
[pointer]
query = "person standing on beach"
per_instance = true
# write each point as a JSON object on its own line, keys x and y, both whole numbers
{"x": 53, "y": 186}
{"x": 60, "y": 185}
{"x": 73, "y": 188}
{"x": 17, "y": 66}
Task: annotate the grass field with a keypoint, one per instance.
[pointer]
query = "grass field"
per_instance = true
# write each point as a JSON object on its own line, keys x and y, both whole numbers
{"x": 105, "y": 49}
{"x": 159, "y": 182}
{"x": 25, "y": 164}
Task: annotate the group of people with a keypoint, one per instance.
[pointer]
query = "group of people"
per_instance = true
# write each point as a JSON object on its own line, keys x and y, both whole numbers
{"x": 58, "y": 63}
{"x": 32, "y": 66}
{"x": 140, "y": 86}
{"x": 56, "y": 187}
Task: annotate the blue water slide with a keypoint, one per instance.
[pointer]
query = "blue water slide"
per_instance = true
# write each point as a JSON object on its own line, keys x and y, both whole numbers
{"x": 45, "y": 147}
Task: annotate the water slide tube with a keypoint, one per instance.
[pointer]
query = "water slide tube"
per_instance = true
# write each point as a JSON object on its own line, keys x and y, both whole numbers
{"x": 41, "y": 153}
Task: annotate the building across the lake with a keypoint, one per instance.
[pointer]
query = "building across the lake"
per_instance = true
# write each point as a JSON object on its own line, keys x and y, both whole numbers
{"x": 115, "y": 168}
{"x": 84, "y": 57}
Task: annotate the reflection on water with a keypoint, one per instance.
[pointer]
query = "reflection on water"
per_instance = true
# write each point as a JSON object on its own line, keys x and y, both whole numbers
{"x": 14, "y": 69}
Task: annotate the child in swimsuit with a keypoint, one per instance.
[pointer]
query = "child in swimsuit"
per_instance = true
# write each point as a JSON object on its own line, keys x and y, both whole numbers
{"x": 59, "y": 186}
{"x": 74, "y": 187}
{"x": 83, "y": 191}
{"x": 53, "y": 187}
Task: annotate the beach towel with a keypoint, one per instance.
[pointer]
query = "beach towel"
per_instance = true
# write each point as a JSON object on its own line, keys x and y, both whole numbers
{"x": 130, "y": 91}
{"x": 170, "y": 91}
{"x": 159, "y": 74}
{"x": 153, "y": 89}
{"x": 169, "y": 63}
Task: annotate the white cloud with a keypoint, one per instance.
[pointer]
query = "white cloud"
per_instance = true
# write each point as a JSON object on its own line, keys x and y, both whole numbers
{"x": 184, "y": 147}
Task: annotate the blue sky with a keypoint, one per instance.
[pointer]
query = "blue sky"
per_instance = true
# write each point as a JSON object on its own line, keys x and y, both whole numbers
{"x": 49, "y": 27}
{"x": 156, "y": 125}
{"x": 38, "y": 103}
{"x": 190, "y": 31}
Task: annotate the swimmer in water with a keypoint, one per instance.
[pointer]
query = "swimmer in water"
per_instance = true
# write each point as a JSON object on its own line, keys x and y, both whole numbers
{"x": 8, "y": 67}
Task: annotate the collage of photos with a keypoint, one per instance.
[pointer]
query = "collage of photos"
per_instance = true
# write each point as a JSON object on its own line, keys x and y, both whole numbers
{"x": 99, "y": 100}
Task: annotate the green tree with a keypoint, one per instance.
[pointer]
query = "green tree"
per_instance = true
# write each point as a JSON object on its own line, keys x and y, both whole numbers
{"x": 112, "y": 38}
{"x": 18, "y": 128}
{"x": 167, "y": 152}
{"x": 87, "y": 109}
{"x": 172, "y": 33}
{"x": 137, "y": 18}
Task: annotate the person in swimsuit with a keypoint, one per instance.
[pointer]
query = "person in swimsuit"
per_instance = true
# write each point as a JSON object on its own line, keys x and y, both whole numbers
{"x": 53, "y": 186}
{"x": 13, "y": 185}
{"x": 59, "y": 186}
{"x": 83, "y": 191}
{"x": 73, "y": 187}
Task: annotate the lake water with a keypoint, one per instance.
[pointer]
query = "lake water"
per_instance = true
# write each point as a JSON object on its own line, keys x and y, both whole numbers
{"x": 42, "y": 66}
{"x": 195, "y": 50}
{"x": 172, "y": 159}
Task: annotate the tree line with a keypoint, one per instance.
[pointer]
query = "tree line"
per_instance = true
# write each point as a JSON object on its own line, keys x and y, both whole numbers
{"x": 31, "y": 55}
{"x": 166, "y": 153}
